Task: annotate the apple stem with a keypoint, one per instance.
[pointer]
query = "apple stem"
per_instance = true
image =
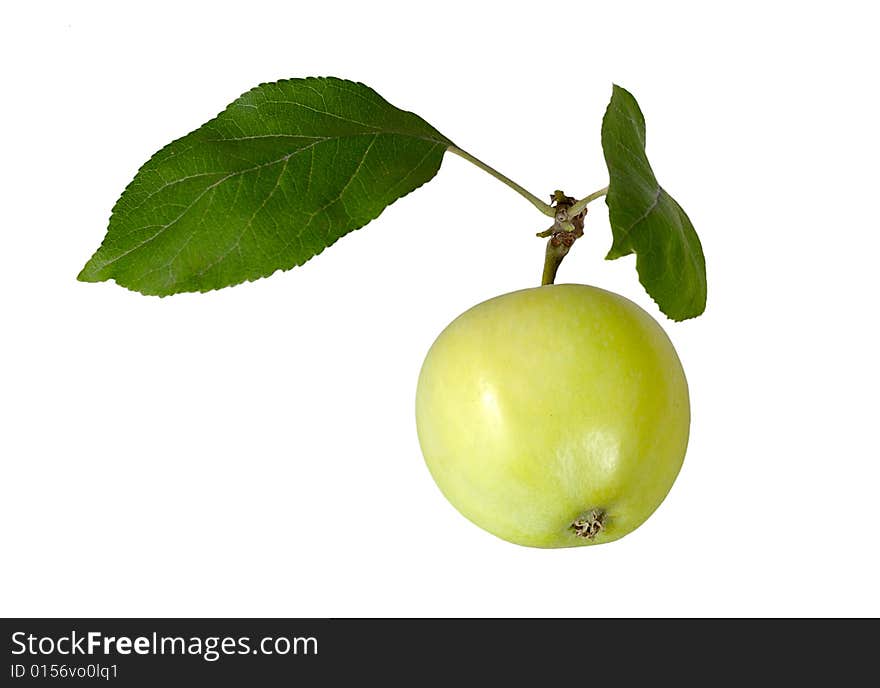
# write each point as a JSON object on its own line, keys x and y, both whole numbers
{"x": 566, "y": 229}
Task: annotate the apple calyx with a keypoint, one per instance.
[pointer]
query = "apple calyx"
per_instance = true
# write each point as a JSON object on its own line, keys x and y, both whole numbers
{"x": 589, "y": 524}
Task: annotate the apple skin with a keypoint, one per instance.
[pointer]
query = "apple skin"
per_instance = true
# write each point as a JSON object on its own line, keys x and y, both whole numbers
{"x": 554, "y": 406}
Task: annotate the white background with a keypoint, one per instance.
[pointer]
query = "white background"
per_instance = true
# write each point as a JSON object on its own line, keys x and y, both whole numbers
{"x": 253, "y": 451}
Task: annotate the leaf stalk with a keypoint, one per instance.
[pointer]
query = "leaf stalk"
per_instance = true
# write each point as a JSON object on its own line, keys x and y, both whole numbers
{"x": 580, "y": 205}
{"x": 530, "y": 197}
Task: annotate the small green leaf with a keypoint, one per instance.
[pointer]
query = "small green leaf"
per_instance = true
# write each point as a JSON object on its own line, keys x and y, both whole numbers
{"x": 278, "y": 176}
{"x": 646, "y": 220}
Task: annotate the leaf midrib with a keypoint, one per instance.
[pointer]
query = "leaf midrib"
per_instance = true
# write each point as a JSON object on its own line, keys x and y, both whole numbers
{"x": 311, "y": 215}
{"x": 657, "y": 194}
{"x": 317, "y": 140}
{"x": 284, "y": 158}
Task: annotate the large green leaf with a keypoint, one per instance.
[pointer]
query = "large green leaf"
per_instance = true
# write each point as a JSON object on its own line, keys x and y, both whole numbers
{"x": 646, "y": 220}
{"x": 282, "y": 173}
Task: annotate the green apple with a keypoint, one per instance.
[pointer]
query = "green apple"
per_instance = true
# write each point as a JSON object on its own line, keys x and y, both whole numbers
{"x": 554, "y": 417}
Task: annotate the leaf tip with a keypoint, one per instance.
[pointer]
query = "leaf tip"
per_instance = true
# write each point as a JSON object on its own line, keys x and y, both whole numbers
{"x": 89, "y": 273}
{"x": 688, "y": 315}
{"x": 679, "y": 312}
